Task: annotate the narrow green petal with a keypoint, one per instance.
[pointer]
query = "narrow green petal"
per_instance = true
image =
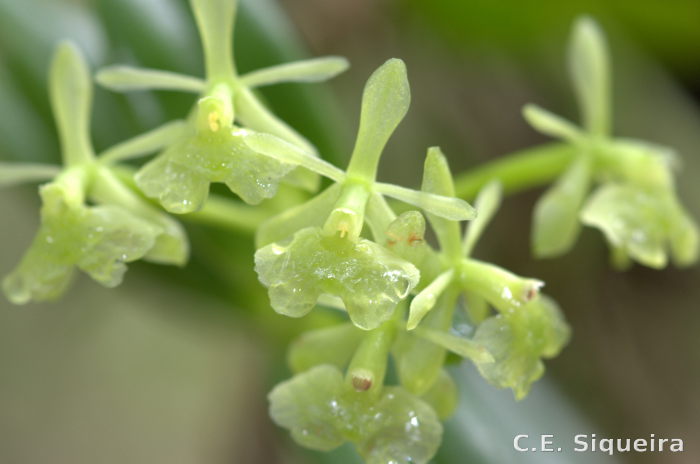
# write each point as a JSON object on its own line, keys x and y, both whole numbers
{"x": 285, "y": 152}
{"x": 556, "y": 223}
{"x": 426, "y": 299}
{"x": 331, "y": 345}
{"x": 550, "y": 124}
{"x": 313, "y": 70}
{"x": 589, "y": 66}
{"x": 20, "y": 173}
{"x": 145, "y": 143}
{"x": 464, "y": 347}
{"x": 385, "y": 102}
{"x": 312, "y": 213}
{"x": 451, "y": 208}
{"x": 70, "y": 90}
{"x": 215, "y": 19}
{"x": 437, "y": 179}
{"x": 123, "y": 78}
{"x": 486, "y": 205}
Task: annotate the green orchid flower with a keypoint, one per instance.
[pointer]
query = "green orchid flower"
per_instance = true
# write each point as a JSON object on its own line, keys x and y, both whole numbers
{"x": 89, "y": 219}
{"x": 212, "y": 147}
{"x": 635, "y": 204}
{"x": 527, "y": 320}
{"x": 316, "y": 248}
{"x": 323, "y": 412}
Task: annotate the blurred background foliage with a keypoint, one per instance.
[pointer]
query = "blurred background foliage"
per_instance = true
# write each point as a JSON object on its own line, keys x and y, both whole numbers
{"x": 174, "y": 365}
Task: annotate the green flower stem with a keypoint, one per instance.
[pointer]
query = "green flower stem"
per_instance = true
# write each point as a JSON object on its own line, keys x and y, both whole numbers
{"x": 347, "y": 217}
{"x": 229, "y": 214}
{"x": 521, "y": 170}
{"x": 215, "y": 20}
{"x": 368, "y": 366}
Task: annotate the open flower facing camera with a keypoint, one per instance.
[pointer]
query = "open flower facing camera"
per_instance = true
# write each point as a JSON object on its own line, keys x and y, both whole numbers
{"x": 211, "y": 148}
{"x": 635, "y": 204}
{"x": 89, "y": 218}
{"x": 376, "y": 376}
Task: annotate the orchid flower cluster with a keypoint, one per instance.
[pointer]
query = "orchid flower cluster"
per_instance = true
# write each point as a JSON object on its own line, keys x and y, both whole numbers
{"x": 345, "y": 248}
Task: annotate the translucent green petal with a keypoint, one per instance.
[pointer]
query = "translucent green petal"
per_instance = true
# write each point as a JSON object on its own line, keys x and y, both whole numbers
{"x": 385, "y": 102}
{"x": 312, "y": 70}
{"x": 590, "y": 71}
{"x": 556, "y": 223}
{"x": 486, "y": 205}
{"x": 171, "y": 245}
{"x": 179, "y": 178}
{"x": 443, "y": 396}
{"x": 309, "y": 405}
{"x": 112, "y": 237}
{"x": 518, "y": 340}
{"x": 322, "y": 413}
{"x": 332, "y": 345}
{"x": 129, "y": 78}
{"x": 401, "y": 428}
{"x": 639, "y": 221}
{"x": 550, "y": 124}
{"x": 369, "y": 279}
